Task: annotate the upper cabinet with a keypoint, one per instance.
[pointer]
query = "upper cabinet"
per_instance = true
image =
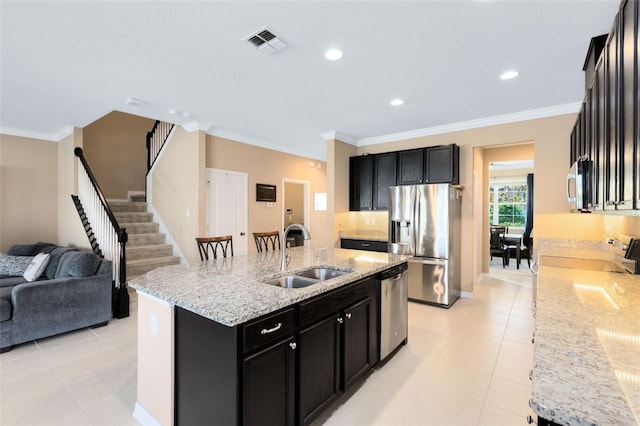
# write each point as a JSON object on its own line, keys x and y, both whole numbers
{"x": 372, "y": 175}
{"x": 607, "y": 130}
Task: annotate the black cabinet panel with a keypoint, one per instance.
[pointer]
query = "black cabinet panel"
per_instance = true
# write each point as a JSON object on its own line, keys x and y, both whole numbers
{"x": 442, "y": 164}
{"x": 611, "y": 124}
{"x": 411, "y": 167}
{"x": 357, "y": 358}
{"x": 628, "y": 87}
{"x": 269, "y": 386}
{"x": 319, "y": 368}
{"x": 370, "y": 245}
{"x": 384, "y": 176}
{"x": 361, "y": 183}
{"x": 268, "y": 329}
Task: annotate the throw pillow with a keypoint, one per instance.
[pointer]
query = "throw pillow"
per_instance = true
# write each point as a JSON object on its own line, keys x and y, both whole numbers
{"x": 77, "y": 264}
{"x": 13, "y": 265}
{"x": 36, "y": 267}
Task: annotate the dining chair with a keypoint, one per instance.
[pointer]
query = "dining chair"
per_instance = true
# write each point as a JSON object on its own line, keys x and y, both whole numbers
{"x": 210, "y": 245}
{"x": 264, "y": 240}
{"x": 497, "y": 244}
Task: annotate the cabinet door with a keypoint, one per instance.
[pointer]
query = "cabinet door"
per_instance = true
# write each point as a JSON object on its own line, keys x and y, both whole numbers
{"x": 411, "y": 167}
{"x": 269, "y": 385}
{"x": 384, "y": 176}
{"x": 637, "y": 109}
{"x": 628, "y": 87}
{"x": 598, "y": 100}
{"x": 360, "y": 183}
{"x": 573, "y": 153}
{"x": 318, "y": 374}
{"x": 611, "y": 125}
{"x": 357, "y": 357}
{"x": 441, "y": 164}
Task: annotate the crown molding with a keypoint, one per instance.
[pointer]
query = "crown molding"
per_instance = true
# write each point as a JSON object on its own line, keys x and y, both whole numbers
{"x": 56, "y": 136}
{"x": 259, "y": 142}
{"x": 327, "y": 136}
{"x": 193, "y": 126}
{"x": 474, "y": 124}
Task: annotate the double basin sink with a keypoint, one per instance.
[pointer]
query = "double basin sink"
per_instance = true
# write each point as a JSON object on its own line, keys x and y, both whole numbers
{"x": 306, "y": 278}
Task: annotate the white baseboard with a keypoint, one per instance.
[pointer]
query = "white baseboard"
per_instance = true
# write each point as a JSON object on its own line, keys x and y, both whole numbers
{"x": 144, "y": 417}
{"x": 466, "y": 294}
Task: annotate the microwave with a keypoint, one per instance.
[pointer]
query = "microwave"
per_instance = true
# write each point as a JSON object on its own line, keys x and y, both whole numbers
{"x": 579, "y": 186}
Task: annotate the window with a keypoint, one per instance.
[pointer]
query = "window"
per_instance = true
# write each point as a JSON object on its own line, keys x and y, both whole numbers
{"x": 508, "y": 204}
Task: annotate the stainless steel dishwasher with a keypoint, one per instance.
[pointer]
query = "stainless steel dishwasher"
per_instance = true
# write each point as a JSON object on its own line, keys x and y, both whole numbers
{"x": 393, "y": 308}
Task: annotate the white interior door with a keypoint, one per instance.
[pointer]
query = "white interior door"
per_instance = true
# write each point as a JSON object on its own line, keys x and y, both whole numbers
{"x": 227, "y": 207}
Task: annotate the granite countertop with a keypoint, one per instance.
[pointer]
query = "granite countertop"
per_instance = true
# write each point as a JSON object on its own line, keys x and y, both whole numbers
{"x": 231, "y": 291}
{"x": 364, "y": 234}
{"x": 586, "y": 364}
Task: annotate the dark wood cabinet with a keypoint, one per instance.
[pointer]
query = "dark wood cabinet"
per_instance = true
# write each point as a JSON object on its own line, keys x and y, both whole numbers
{"x": 361, "y": 183}
{"x": 284, "y": 368}
{"x": 607, "y": 130}
{"x": 269, "y": 385}
{"x": 319, "y": 376}
{"x": 442, "y": 164}
{"x": 384, "y": 176}
{"x": 369, "y": 245}
{"x": 370, "y": 176}
{"x": 410, "y": 167}
{"x": 357, "y": 341}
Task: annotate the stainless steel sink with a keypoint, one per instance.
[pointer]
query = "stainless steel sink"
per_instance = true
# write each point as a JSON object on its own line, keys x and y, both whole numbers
{"x": 292, "y": 281}
{"x": 321, "y": 274}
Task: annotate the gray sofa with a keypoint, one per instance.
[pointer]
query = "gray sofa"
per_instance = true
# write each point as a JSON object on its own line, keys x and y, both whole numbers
{"x": 73, "y": 292}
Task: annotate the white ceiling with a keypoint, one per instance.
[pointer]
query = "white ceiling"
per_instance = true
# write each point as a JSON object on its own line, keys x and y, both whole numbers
{"x": 69, "y": 63}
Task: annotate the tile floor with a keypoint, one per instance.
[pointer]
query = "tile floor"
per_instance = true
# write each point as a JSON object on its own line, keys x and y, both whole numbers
{"x": 468, "y": 365}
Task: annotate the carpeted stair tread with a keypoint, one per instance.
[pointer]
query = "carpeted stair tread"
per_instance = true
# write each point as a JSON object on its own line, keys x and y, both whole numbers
{"x": 127, "y": 206}
{"x": 124, "y": 218}
{"x": 136, "y": 240}
{"x": 141, "y": 228}
{"x": 143, "y": 252}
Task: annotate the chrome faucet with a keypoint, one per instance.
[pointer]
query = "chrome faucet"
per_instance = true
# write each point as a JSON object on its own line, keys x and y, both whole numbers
{"x": 305, "y": 235}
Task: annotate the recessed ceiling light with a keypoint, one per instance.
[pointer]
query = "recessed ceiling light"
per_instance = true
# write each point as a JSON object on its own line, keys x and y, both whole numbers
{"x": 509, "y": 75}
{"x": 333, "y": 54}
{"x": 397, "y": 102}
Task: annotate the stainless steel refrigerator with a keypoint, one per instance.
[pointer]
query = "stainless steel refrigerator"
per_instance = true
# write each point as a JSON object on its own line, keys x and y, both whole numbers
{"x": 424, "y": 221}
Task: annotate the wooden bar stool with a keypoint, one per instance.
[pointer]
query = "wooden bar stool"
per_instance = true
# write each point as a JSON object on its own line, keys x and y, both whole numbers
{"x": 264, "y": 240}
{"x": 207, "y": 245}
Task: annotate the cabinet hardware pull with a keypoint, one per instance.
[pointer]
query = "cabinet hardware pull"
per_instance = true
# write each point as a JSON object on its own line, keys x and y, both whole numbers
{"x": 271, "y": 330}
{"x": 293, "y": 345}
{"x": 348, "y": 316}
{"x": 365, "y": 244}
{"x": 242, "y": 234}
{"x": 340, "y": 320}
{"x": 530, "y": 420}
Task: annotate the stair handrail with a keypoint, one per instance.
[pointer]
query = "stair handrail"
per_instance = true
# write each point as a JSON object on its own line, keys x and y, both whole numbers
{"x": 111, "y": 238}
{"x": 156, "y": 138}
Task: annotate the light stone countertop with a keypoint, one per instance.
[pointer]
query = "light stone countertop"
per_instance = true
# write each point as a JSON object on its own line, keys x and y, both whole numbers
{"x": 586, "y": 363}
{"x": 231, "y": 291}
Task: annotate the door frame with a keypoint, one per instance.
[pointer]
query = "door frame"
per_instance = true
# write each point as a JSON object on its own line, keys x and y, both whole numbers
{"x": 245, "y": 183}
{"x": 305, "y": 190}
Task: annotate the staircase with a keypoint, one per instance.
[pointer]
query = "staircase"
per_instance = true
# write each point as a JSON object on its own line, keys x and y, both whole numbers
{"x": 146, "y": 248}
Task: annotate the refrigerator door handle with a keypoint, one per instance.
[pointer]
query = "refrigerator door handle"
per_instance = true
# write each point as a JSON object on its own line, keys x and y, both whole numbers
{"x": 428, "y": 261}
{"x": 416, "y": 220}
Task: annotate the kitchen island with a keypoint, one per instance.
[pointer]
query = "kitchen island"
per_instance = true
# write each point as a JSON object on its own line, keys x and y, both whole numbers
{"x": 228, "y": 348}
{"x": 586, "y": 364}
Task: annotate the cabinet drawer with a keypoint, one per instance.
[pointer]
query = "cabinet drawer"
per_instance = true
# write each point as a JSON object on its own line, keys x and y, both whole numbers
{"x": 348, "y": 243}
{"x": 268, "y": 329}
{"x": 321, "y": 306}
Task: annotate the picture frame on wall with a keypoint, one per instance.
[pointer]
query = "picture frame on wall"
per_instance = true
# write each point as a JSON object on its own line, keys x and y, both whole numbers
{"x": 265, "y": 192}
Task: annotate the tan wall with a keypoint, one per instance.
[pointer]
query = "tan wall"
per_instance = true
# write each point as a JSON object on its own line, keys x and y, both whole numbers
{"x": 294, "y": 199}
{"x": 115, "y": 148}
{"x": 28, "y": 191}
{"x": 338, "y": 154}
{"x": 70, "y": 229}
{"x": 271, "y": 167}
{"x": 178, "y": 189}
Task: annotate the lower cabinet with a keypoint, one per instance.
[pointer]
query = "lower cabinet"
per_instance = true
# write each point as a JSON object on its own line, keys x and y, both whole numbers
{"x": 284, "y": 368}
{"x": 269, "y": 385}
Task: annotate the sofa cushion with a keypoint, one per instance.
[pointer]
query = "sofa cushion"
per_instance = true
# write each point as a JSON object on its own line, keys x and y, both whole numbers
{"x": 5, "y": 310}
{"x": 54, "y": 259}
{"x": 77, "y": 264}
{"x": 14, "y": 265}
{"x": 36, "y": 267}
{"x": 28, "y": 249}
{"x": 10, "y": 281}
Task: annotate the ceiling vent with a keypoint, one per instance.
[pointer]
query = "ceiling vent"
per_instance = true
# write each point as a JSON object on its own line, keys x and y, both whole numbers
{"x": 266, "y": 41}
